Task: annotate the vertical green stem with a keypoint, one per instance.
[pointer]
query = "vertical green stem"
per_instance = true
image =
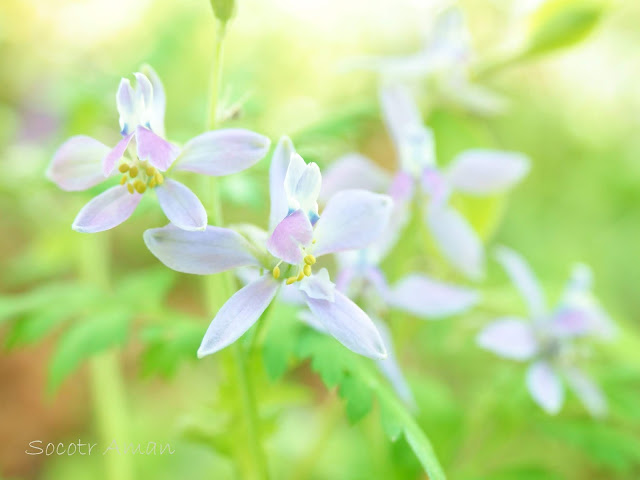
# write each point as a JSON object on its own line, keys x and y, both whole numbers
{"x": 218, "y": 288}
{"x": 106, "y": 382}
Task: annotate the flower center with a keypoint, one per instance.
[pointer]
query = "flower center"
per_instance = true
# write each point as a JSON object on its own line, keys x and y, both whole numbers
{"x": 138, "y": 175}
{"x": 303, "y": 270}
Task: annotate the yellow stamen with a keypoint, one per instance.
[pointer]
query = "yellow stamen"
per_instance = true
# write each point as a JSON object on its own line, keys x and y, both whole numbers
{"x": 123, "y": 167}
{"x": 123, "y": 180}
{"x": 139, "y": 186}
{"x": 276, "y": 272}
{"x": 133, "y": 171}
{"x": 159, "y": 178}
{"x": 313, "y": 242}
{"x": 309, "y": 259}
{"x": 290, "y": 280}
{"x": 130, "y": 187}
{"x": 300, "y": 276}
{"x": 151, "y": 171}
{"x": 152, "y": 183}
{"x": 307, "y": 270}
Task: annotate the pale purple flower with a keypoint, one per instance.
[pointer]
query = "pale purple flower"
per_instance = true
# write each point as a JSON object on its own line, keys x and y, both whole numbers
{"x": 444, "y": 64}
{"x": 144, "y": 160}
{"x": 550, "y": 338}
{"x": 286, "y": 256}
{"x": 475, "y": 172}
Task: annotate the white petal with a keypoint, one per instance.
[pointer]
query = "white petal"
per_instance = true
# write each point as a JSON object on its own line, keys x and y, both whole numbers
{"x": 181, "y": 206}
{"x": 302, "y": 185}
{"x": 128, "y": 107}
{"x": 77, "y": 165}
{"x": 588, "y": 392}
{"x": 205, "y": 252}
{"x": 107, "y": 210}
{"x": 399, "y": 111}
{"x": 353, "y": 171}
{"x": 524, "y": 279}
{"x": 424, "y": 296}
{"x": 319, "y": 286}
{"x": 238, "y": 314}
{"x": 545, "y": 387}
{"x": 158, "y": 104}
{"x": 352, "y": 219}
{"x": 349, "y": 325}
{"x": 144, "y": 91}
{"x": 482, "y": 172}
{"x": 277, "y": 172}
{"x": 223, "y": 152}
{"x": 509, "y": 337}
{"x": 457, "y": 241}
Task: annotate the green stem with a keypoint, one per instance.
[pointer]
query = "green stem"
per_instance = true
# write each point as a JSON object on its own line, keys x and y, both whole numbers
{"x": 218, "y": 288}
{"x": 106, "y": 382}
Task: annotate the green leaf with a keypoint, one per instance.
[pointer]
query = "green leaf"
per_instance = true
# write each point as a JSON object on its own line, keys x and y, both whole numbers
{"x": 84, "y": 339}
{"x": 280, "y": 340}
{"x": 147, "y": 290}
{"x": 358, "y": 396}
{"x": 562, "y": 23}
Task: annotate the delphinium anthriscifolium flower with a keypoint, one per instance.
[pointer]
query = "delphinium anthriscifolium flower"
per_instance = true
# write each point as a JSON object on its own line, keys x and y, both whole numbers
{"x": 551, "y": 339}
{"x": 144, "y": 160}
{"x": 285, "y": 256}
{"x": 474, "y": 172}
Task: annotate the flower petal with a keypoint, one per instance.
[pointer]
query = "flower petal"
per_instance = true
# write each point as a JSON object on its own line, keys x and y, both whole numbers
{"x": 319, "y": 286}
{"x": 238, "y": 314}
{"x": 424, "y": 296}
{"x": 144, "y": 92}
{"x": 390, "y": 367}
{"x": 509, "y": 337}
{"x": 399, "y": 111}
{"x": 302, "y": 184}
{"x": 587, "y": 391}
{"x": 213, "y": 250}
{"x": 181, "y": 206}
{"x": 292, "y": 232}
{"x": 107, "y": 210}
{"x": 353, "y": 171}
{"x": 112, "y": 157}
{"x": 524, "y": 280}
{"x": 349, "y": 325}
{"x": 545, "y": 387}
{"x": 482, "y": 172}
{"x": 77, "y": 164}
{"x": 128, "y": 107}
{"x": 352, "y": 219}
{"x": 457, "y": 241}
{"x": 223, "y": 152}
{"x": 158, "y": 104}
{"x": 160, "y": 153}
{"x": 277, "y": 172}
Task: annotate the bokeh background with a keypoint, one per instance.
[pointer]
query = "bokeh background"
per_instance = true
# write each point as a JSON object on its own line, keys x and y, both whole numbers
{"x": 575, "y": 112}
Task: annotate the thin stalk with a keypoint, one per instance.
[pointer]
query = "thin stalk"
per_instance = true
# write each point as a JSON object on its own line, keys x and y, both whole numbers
{"x": 218, "y": 288}
{"x": 106, "y": 382}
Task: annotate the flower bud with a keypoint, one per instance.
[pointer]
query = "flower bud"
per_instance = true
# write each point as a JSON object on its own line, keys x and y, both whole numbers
{"x": 223, "y": 9}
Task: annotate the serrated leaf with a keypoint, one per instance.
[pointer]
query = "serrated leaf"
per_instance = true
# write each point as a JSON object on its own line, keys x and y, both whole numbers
{"x": 358, "y": 396}
{"x": 280, "y": 340}
{"x": 84, "y": 339}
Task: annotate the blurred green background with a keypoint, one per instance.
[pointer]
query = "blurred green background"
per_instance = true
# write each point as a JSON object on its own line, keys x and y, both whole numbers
{"x": 575, "y": 112}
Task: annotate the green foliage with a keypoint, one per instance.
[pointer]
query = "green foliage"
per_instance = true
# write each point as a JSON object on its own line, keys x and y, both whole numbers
{"x": 562, "y": 23}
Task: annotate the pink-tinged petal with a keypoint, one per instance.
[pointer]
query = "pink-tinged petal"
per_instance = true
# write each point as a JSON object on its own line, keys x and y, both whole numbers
{"x": 277, "y": 172}
{"x": 524, "y": 280}
{"x": 292, "y": 232}
{"x": 160, "y": 153}
{"x": 424, "y": 296}
{"x": 353, "y": 219}
{"x": 353, "y": 171}
{"x": 111, "y": 158}
{"x": 390, "y": 367}
{"x": 223, "y": 152}
{"x": 240, "y": 312}
{"x": 158, "y": 104}
{"x": 435, "y": 185}
{"x": 77, "y": 165}
{"x": 402, "y": 187}
{"x": 457, "y": 241}
{"x": 107, "y": 210}
{"x": 213, "y": 250}
{"x": 319, "y": 286}
{"x": 509, "y": 337}
{"x": 344, "y": 320}
{"x": 128, "y": 107}
{"x": 587, "y": 391}
{"x": 181, "y": 206}
{"x": 545, "y": 387}
{"x": 483, "y": 172}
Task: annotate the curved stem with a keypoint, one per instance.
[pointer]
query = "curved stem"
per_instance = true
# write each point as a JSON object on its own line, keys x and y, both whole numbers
{"x": 219, "y": 287}
{"x": 106, "y": 382}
